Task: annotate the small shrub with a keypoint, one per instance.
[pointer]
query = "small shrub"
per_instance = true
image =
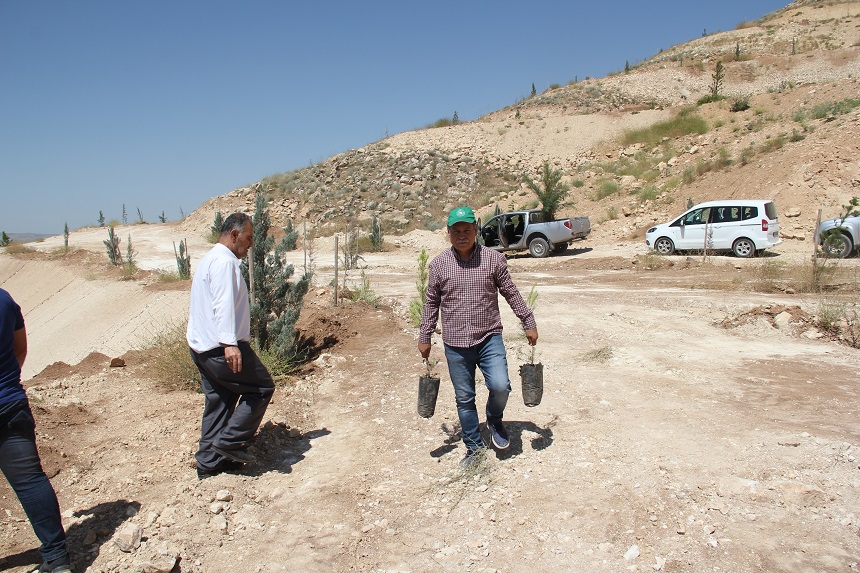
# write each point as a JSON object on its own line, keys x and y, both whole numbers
{"x": 689, "y": 174}
{"x": 710, "y": 98}
{"x": 168, "y": 277}
{"x": 606, "y": 188}
{"x": 14, "y": 248}
{"x": 648, "y": 193}
{"x": 740, "y": 104}
{"x": 611, "y": 213}
{"x": 829, "y": 316}
{"x": 773, "y": 144}
{"x": 364, "y": 292}
{"x": 169, "y": 361}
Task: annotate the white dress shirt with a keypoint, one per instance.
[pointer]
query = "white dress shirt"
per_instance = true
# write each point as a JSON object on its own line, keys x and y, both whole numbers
{"x": 220, "y": 310}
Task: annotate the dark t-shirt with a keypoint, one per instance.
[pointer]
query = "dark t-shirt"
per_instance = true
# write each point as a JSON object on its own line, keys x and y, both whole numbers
{"x": 11, "y": 320}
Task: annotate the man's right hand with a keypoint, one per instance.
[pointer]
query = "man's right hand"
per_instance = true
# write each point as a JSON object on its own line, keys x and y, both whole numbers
{"x": 424, "y": 350}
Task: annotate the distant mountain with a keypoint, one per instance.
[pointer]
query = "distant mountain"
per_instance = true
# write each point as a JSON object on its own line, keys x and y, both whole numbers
{"x": 27, "y": 237}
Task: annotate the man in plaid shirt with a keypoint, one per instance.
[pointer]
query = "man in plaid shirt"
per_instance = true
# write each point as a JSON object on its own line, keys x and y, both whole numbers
{"x": 464, "y": 283}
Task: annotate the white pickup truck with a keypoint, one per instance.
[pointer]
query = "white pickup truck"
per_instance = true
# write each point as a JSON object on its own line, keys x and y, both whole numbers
{"x": 843, "y": 242}
{"x": 521, "y": 230}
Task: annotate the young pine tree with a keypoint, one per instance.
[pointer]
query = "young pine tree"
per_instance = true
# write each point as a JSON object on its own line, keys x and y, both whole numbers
{"x": 112, "y": 246}
{"x": 277, "y": 300}
{"x": 183, "y": 260}
{"x": 376, "y": 238}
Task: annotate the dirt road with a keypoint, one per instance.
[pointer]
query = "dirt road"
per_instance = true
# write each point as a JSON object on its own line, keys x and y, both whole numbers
{"x": 683, "y": 428}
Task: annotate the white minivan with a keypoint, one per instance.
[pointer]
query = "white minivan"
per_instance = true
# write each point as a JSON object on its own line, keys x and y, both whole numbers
{"x": 740, "y": 226}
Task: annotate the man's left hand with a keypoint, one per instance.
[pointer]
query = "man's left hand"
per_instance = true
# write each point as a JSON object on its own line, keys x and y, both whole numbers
{"x": 233, "y": 356}
{"x": 532, "y": 336}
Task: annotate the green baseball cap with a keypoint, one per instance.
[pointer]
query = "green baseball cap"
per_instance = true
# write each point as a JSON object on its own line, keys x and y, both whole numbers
{"x": 461, "y": 215}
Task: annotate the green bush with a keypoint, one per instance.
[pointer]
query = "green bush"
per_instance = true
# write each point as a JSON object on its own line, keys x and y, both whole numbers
{"x": 740, "y": 104}
{"x": 606, "y": 188}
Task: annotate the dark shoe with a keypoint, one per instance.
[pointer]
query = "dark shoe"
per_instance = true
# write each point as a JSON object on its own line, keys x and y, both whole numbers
{"x": 224, "y": 467}
{"x": 500, "y": 435}
{"x": 239, "y": 455}
{"x": 472, "y": 458}
{"x": 60, "y": 565}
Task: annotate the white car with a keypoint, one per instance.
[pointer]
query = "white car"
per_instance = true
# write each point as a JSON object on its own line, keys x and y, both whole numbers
{"x": 741, "y": 226}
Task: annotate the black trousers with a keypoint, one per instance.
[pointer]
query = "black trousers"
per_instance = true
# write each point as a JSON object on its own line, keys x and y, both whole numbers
{"x": 235, "y": 402}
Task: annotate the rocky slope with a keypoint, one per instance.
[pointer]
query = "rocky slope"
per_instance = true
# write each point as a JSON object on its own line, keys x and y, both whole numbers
{"x": 787, "y": 67}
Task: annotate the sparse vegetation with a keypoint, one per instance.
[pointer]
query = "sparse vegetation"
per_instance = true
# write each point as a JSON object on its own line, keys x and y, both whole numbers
{"x": 740, "y": 104}
{"x": 605, "y": 188}
{"x": 169, "y": 362}
{"x": 550, "y": 191}
{"x": 364, "y": 291}
{"x": 416, "y": 306}
{"x": 4, "y": 239}
{"x": 685, "y": 123}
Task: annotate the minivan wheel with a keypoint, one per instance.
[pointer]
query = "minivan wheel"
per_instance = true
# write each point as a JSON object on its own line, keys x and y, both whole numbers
{"x": 664, "y": 246}
{"x": 539, "y": 248}
{"x": 838, "y": 246}
{"x": 743, "y": 248}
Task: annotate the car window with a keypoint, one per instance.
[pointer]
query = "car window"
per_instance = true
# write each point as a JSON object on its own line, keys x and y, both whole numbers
{"x": 698, "y": 216}
{"x": 749, "y": 213}
{"x": 770, "y": 210}
{"x": 726, "y": 214}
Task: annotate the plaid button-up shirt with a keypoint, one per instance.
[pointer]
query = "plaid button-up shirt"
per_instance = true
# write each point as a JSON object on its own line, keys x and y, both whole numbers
{"x": 467, "y": 293}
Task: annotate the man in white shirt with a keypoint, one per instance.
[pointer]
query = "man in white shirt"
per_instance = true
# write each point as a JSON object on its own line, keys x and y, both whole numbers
{"x": 236, "y": 384}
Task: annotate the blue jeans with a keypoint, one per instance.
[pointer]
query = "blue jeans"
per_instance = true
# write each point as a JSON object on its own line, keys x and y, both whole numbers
{"x": 20, "y": 463}
{"x": 491, "y": 358}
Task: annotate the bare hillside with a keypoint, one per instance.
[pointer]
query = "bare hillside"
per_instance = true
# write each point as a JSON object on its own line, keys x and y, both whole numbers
{"x": 787, "y": 67}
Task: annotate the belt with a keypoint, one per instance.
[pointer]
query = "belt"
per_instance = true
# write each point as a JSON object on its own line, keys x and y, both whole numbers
{"x": 217, "y": 351}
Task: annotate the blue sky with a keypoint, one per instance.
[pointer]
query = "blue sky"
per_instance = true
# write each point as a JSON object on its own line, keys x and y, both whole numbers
{"x": 161, "y": 105}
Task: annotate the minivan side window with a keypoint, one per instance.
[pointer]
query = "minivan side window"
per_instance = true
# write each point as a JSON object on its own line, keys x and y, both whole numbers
{"x": 726, "y": 214}
{"x": 750, "y": 213}
{"x": 697, "y": 217}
